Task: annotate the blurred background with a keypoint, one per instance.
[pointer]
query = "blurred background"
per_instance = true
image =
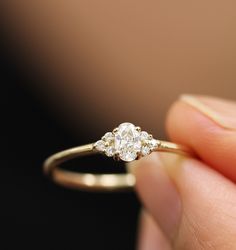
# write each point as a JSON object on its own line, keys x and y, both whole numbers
{"x": 73, "y": 70}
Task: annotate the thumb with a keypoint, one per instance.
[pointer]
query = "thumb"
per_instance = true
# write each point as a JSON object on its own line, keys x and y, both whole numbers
{"x": 193, "y": 204}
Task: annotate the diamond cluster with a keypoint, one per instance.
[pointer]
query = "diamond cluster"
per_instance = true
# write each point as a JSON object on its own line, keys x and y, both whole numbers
{"x": 127, "y": 142}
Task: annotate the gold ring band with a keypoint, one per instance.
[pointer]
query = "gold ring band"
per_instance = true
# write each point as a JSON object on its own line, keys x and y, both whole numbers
{"x": 127, "y": 142}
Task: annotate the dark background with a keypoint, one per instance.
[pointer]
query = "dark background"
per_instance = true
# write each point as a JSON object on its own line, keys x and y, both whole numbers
{"x": 36, "y": 213}
{"x": 155, "y": 52}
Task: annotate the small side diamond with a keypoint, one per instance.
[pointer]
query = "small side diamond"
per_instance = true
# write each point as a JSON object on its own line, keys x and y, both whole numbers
{"x": 148, "y": 145}
{"x": 100, "y": 145}
{"x": 144, "y": 136}
{"x": 108, "y": 139}
{"x": 153, "y": 144}
{"x": 110, "y": 151}
{"x": 145, "y": 150}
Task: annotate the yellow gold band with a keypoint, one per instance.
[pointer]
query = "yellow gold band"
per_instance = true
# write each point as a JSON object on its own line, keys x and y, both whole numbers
{"x": 93, "y": 182}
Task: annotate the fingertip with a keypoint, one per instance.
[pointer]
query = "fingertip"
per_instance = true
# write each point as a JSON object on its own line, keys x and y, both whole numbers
{"x": 192, "y": 124}
{"x": 184, "y": 123}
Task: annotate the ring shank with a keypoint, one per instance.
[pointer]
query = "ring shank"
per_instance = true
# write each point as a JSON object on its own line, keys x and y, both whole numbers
{"x": 99, "y": 182}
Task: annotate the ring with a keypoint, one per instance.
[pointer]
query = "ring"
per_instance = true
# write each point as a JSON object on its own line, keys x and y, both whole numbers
{"x": 127, "y": 142}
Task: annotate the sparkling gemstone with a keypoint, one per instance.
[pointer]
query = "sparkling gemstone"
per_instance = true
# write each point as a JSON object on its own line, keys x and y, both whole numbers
{"x": 100, "y": 145}
{"x": 110, "y": 151}
{"x": 144, "y": 135}
{"x": 145, "y": 150}
{"x": 109, "y": 142}
{"x": 127, "y": 141}
{"x": 153, "y": 143}
{"x": 108, "y": 137}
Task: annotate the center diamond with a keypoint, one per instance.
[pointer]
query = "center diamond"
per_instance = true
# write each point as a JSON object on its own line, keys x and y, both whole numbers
{"x": 127, "y": 141}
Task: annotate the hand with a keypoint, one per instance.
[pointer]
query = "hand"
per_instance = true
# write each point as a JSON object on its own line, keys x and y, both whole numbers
{"x": 191, "y": 203}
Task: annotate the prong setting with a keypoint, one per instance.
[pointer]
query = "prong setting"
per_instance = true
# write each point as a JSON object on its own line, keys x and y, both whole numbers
{"x": 115, "y": 130}
{"x": 150, "y": 136}
{"x": 138, "y": 128}
{"x": 139, "y": 156}
{"x": 116, "y": 157}
{"x": 126, "y": 142}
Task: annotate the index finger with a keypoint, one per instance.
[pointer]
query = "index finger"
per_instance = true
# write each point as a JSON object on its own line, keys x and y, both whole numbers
{"x": 208, "y": 126}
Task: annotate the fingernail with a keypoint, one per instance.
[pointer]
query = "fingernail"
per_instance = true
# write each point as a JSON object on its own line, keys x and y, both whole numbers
{"x": 158, "y": 192}
{"x": 222, "y": 112}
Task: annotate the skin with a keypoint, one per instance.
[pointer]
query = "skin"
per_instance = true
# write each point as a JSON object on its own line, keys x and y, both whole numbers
{"x": 190, "y": 203}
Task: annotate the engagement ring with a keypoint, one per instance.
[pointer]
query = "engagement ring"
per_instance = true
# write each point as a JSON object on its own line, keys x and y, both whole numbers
{"x": 127, "y": 142}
